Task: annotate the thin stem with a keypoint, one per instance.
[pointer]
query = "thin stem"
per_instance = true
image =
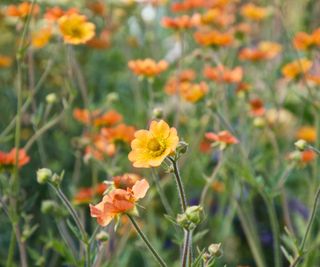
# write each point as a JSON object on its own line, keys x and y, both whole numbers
{"x": 275, "y": 229}
{"x": 11, "y": 249}
{"x": 182, "y": 194}
{"x": 146, "y": 241}
{"x": 186, "y": 248}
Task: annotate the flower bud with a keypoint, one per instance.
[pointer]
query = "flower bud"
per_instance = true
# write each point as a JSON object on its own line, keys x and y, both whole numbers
{"x": 56, "y": 179}
{"x": 182, "y": 147}
{"x": 301, "y": 144}
{"x": 157, "y": 113}
{"x": 215, "y": 250}
{"x": 194, "y": 214}
{"x": 112, "y": 97}
{"x": 48, "y": 206}
{"x": 44, "y": 175}
{"x": 102, "y": 236}
{"x": 51, "y": 98}
{"x": 259, "y": 122}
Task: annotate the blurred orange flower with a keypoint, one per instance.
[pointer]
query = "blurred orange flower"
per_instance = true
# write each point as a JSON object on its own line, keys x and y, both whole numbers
{"x": 214, "y": 38}
{"x": 296, "y": 68}
{"x": 307, "y": 133}
{"x": 5, "y": 61}
{"x": 102, "y": 41}
{"x": 75, "y": 29}
{"x": 257, "y": 107}
{"x": 305, "y": 41}
{"x": 147, "y": 67}
{"x": 99, "y": 148}
{"x": 121, "y": 132}
{"x": 97, "y": 118}
{"x": 181, "y": 23}
{"x": 223, "y": 139}
{"x": 151, "y": 147}
{"x": 9, "y": 158}
{"x": 22, "y": 10}
{"x": 265, "y": 50}
{"x": 221, "y": 74}
{"x": 86, "y": 194}
{"x": 54, "y": 13}
{"x": 217, "y": 16}
{"x": 118, "y": 201}
{"x": 253, "y": 12}
{"x": 41, "y": 38}
{"x": 193, "y": 92}
{"x": 126, "y": 180}
{"x": 172, "y": 84}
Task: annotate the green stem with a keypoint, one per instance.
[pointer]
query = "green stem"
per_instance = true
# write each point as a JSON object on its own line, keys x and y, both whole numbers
{"x": 186, "y": 248}
{"x": 11, "y": 249}
{"x": 275, "y": 229}
{"x": 146, "y": 241}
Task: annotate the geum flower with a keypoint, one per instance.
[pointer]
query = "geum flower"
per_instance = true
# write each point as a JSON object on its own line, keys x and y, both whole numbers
{"x": 75, "y": 29}
{"x": 9, "y": 158}
{"x": 305, "y": 41}
{"x": 147, "y": 67}
{"x": 223, "y": 139}
{"x": 118, "y": 201}
{"x": 265, "y": 50}
{"x": 151, "y": 147}
{"x": 296, "y": 69}
{"x": 222, "y": 74}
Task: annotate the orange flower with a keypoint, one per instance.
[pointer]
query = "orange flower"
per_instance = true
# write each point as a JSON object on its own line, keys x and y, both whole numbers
{"x": 264, "y": 50}
{"x": 99, "y": 148}
{"x": 187, "y": 5}
{"x": 181, "y": 23}
{"x": 253, "y": 12}
{"x": 214, "y": 38}
{"x": 150, "y": 148}
{"x": 217, "y": 16}
{"x": 307, "y": 133}
{"x": 9, "y": 159}
{"x": 222, "y": 74}
{"x": 172, "y": 84}
{"x": 22, "y": 10}
{"x": 302, "y": 157}
{"x": 86, "y": 194}
{"x": 243, "y": 88}
{"x": 304, "y": 41}
{"x": 5, "y": 61}
{"x": 223, "y": 139}
{"x": 296, "y": 68}
{"x": 54, "y": 13}
{"x": 308, "y": 156}
{"x": 75, "y": 29}
{"x": 118, "y": 201}
{"x": 147, "y": 67}
{"x": 101, "y": 42}
{"x": 193, "y": 92}
{"x": 41, "y": 38}
{"x": 257, "y": 107}
{"x": 109, "y": 118}
{"x": 120, "y": 132}
{"x": 97, "y": 7}
{"x": 126, "y": 180}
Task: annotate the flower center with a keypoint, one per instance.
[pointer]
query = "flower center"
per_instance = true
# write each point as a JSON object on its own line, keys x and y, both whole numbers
{"x": 76, "y": 32}
{"x": 155, "y": 147}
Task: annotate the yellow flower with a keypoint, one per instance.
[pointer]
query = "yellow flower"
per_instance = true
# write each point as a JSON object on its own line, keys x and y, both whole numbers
{"x": 307, "y": 133}
{"x": 75, "y": 29}
{"x": 150, "y": 148}
{"x": 296, "y": 68}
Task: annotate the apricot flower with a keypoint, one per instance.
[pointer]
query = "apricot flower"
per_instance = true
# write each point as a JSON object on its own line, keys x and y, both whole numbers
{"x": 147, "y": 67}
{"x": 118, "y": 201}
{"x": 151, "y": 147}
{"x": 307, "y": 133}
{"x": 253, "y": 12}
{"x": 9, "y": 158}
{"x": 222, "y": 74}
{"x": 296, "y": 68}
{"x": 214, "y": 38}
{"x": 223, "y": 139}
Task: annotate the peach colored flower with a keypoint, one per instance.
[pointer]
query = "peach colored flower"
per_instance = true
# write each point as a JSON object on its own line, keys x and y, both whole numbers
{"x": 307, "y": 133}
{"x": 22, "y": 10}
{"x": 9, "y": 158}
{"x": 41, "y": 38}
{"x": 181, "y": 23}
{"x": 296, "y": 69}
{"x": 222, "y": 74}
{"x": 255, "y": 13}
{"x": 223, "y": 139}
{"x": 214, "y": 38}
{"x": 263, "y": 51}
{"x": 121, "y": 132}
{"x": 151, "y": 147}
{"x": 147, "y": 67}
{"x": 86, "y": 194}
{"x": 193, "y": 92}
{"x": 118, "y": 201}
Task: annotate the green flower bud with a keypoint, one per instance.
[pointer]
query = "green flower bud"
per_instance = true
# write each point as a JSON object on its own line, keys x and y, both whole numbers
{"x": 102, "y": 236}
{"x": 48, "y": 206}
{"x": 215, "y": 250}
{"x": 157, "y": 113}
{"x": 44, "y": 175}
{"x": 51, "y": 98}
{"x": 301, "y": 144}
{"x": 194, "y": 214}
{"x": 56, "y": 179}
{"x": 182, "y": 147}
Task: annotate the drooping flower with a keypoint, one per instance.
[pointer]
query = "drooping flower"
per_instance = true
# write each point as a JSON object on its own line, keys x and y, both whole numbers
{"x": 222, "y": 74}
{"x": 223, "y": 139}
{"x": 147, "y": 67}
{"x": 75, "y": 29}
{"x": 151, "y": 147}
{"x": 118, "y": 201}
{"x": 296, "y": 69}
{"x": 9, "y": 158}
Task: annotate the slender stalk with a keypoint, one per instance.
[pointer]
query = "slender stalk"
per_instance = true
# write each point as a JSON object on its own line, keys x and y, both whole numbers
{"x": 275, "y": 230}
{"x": 182, "y": 194}
{"x": 186, "y": 248}
{"x": 146, "y": 241}
{"x": 11, "y": 249}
